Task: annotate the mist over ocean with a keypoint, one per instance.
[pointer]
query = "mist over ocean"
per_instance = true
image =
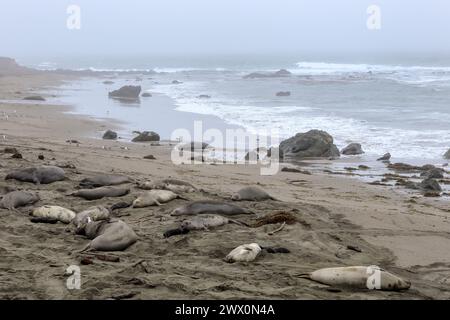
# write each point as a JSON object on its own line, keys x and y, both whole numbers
{"x": 388, "y": 106}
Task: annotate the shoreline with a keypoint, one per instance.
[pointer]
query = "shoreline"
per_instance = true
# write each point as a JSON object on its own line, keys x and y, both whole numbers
{"x": 402, "y": 233}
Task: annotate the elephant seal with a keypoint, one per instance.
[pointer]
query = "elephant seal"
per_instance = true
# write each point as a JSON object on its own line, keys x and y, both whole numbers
{"x": 207, "y": 206}
{"x": 55, "y": 212}
{"x": 207, "y": 221}
{"x": 17, "y": 199}
{"x": 38, "y": 175}
{"x": 109, "y": 235}
{"x": 359, "y": 277}
{"x": 95, "y": 213}
{"x": 244, "y": 253}
{"x": 154, "y": 197}
{"x": 177, "y": 186}
{"x": 103, "y": 180}
{"x": 251, "y": 194}
{"x": 102, "y": 192}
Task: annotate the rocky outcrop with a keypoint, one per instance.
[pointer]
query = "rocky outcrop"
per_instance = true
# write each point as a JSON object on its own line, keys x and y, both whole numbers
{"x": 9, "y": 66}
{"x": 34, "y": 98}
{"x": 447, "y": 154}
{"x": 110, "y": 135}
{"x": 385, "y": 157}
{"x": 278, "y": 74}
{"x": 435, "y": 173}
{"x": 146, "y": 136}
{"x": 283, "y": 94}
{"x": 352, "y": 149}
{"x": 430, "y": 184}
{"x": 126, "y": 92}
{"x": 312, "y": 144}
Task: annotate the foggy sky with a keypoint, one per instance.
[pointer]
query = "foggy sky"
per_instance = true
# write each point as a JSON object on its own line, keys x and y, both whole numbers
{"x": 30, "y": 27}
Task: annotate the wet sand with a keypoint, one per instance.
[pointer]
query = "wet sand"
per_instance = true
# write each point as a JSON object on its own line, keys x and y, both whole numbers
{"x": 402, "y": 233}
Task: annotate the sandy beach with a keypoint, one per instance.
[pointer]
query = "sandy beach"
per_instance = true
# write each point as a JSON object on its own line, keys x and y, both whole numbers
{"x": 406, "y": 234}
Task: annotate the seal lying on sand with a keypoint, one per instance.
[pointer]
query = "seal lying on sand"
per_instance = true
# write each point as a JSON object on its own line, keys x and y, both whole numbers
{"x": 207, "y": 206}
{"x": 38, "y": 175}
{"x": 102, "y": 192}
{"x": 155, "y": 197}
{"x": 244, "y": 253}
{"x": 177, "y": 186}
{"x": 95, "y": 213}
{"x": 109, "y": 235}
{"x": 251, "y": 194}
{"x": 103, "y": 180}
{"x": 205, "y": 222}
{"x": 17, "y": 199}
{"x": 359, "y": 277}
{"x": 54, "y": 212}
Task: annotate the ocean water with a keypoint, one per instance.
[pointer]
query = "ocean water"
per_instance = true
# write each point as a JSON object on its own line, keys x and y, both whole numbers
{"x": 401, "y": 106}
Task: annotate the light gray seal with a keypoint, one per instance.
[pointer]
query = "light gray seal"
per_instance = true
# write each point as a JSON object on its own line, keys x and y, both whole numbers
{"x": 174, "y": 185}
{"x": 207, "y": 206}
{"x": 95, "y": 213}
{"x": 207, "y": 221}
{"x": 38, "y": 175}
{"x": 17, "y": 199}
{"x": 102, "y": 192}
{"x": 109, "y": 235}
{"x": 251, "y": 194}
{"x": 103, "y": 180}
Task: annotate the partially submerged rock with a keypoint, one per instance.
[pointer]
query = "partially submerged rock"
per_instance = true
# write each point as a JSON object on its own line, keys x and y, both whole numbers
{"x": 447, "y": 154}
{"x": 430, "y": 184}
{"x": 147, "y": 136}
{"x": 312, "y": 144}
{"x": 146, "y": 95}
{"x": 126, "y": 92}
{"x": 385, "y": 157}
{"x": 283, "y": 94}
{"x": 352, "y": 149}
{"x": 277, "y": 74}
{"x": 34, "y": 98}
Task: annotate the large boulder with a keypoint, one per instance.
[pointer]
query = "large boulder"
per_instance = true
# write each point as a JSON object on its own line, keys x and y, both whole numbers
{"x": 352, "y": 149}
{"x": 110, "y": 135}
{"x": 278, "y": 74}
{"x": 430, "y": 184}
{"x": 126, "y": 92}
{"x": 147, "y": 136}
{"x": 447, "y": 154}
{"x": 312, "y": 144}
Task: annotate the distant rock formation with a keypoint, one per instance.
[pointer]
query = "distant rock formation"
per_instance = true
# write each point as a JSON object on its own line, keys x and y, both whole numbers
{"x": 385, "y": 157}
{"x": 312, "y": 144}
{"x": 9, "y": 67}
{"x": 34, "y": 98}
{"x": 204, "y": 96}
{"x": 108, "y": 82}
{"x": 110, "y": 135}
{"x": 176, "y": 82}
{"x": 277, "y": 74}
{"x": 447, "y": 154}
{"x": 126, "y": 92}
{"x": 146, "y": 95}
{"x": 352, "y": 149}
{"x": 283, "y": 94}
{"x": 147, "y": 136}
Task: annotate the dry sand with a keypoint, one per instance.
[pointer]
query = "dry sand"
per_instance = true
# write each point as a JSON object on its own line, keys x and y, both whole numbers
{"x": 407, "y": 235}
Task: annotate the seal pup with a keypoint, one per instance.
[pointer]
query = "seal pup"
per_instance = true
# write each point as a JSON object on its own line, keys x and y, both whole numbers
{"x": 244, "y": 253}
{"x": 208, "y": 206}
{"x": 359, "y": 277}
{"x": 103, "y": 180}
{"x": 175, "y": 185}
{"x": 109, "y": 235}
{"x": 251, "y": 194}
{"x": 102, "y": 192}
{"x": 207, "y": 221}
{"x": 155, "y": 197}
{"x": 55, "y": 212}
{"x": 95, "y": 213}
{"x": 15, "y": 199}
{"x": 38, "y": 175}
